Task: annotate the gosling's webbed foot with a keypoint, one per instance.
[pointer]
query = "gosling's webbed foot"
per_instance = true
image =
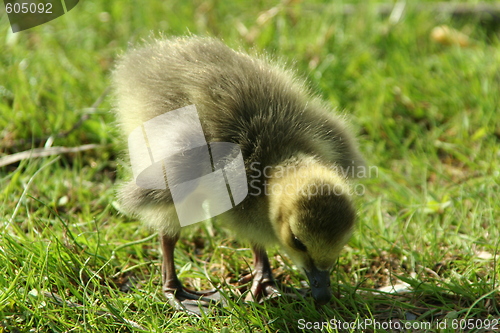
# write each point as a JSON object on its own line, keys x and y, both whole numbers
{"x": 191, "y": 301}
{"x": 265, "y": 289}
{"x": 264, "y": 286}
{"x": 262, "y": 289}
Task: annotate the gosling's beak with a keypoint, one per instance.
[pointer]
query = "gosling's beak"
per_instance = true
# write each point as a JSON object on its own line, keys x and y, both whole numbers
{"x": 320, "y": 285}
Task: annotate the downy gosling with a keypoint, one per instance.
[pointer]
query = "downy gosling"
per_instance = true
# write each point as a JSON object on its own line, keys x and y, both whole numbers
{"x": 297, "y": 155}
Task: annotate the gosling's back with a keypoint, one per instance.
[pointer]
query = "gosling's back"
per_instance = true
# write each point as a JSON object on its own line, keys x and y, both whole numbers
{"x": 240, "y": 99}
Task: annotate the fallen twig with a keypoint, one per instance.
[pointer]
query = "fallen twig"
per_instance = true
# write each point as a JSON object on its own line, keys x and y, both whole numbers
{"x": 43, "y": 152}
{"x": 481, "y": 9}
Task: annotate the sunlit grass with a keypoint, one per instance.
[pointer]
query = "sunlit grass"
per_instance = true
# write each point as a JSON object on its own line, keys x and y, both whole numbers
{"x": 427, "y": 118}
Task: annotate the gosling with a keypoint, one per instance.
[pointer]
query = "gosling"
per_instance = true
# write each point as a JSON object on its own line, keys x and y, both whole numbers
{"x": 297, "y": 153}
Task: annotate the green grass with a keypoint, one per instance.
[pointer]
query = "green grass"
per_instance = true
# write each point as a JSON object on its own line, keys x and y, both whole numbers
{"x": 427, "y": 115}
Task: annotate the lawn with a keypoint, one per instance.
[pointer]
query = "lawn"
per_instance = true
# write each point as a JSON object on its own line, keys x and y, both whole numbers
{"x": 421, "y": 88}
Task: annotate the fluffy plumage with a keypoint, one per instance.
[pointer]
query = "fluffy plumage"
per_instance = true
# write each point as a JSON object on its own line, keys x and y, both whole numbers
{"x": 294, "y": 147}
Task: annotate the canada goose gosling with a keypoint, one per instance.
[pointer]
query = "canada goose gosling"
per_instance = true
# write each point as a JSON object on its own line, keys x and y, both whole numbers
{"x": 294, "y": 149}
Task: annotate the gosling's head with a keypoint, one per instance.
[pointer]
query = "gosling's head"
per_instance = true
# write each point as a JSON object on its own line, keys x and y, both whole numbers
{"x": 313, "y": 220}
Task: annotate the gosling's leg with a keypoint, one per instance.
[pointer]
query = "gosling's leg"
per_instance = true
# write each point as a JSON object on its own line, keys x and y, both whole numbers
{"x": 263, "y": 285}
{"x": 181, "y": 298}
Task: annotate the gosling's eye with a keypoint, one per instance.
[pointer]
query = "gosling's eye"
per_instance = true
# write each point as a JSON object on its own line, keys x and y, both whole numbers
{"x": 298, "y": 244}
